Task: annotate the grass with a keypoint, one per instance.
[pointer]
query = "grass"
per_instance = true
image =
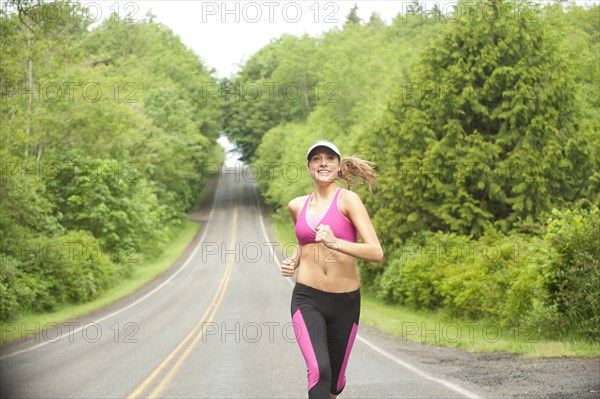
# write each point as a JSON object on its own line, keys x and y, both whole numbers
{"x": 28, "y": 324}
{"x": 284, "y": 228}
{"x": 438, "y": 328}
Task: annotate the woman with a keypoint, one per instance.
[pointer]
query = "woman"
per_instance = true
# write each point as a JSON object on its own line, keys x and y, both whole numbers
{"x": 326, "y": 298}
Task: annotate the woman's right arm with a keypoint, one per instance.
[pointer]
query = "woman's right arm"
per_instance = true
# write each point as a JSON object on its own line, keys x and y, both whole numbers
{"x": 289, "y": 265}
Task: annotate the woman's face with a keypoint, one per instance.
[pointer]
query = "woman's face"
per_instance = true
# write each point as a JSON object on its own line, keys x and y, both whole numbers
{"x": 323, "y": 166}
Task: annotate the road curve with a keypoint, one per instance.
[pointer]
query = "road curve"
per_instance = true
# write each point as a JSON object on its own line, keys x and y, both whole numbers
{"x": 215, "y": 325}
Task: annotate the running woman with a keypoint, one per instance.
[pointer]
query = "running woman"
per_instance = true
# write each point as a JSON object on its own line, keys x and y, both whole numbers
{"x": 326, "y": 298}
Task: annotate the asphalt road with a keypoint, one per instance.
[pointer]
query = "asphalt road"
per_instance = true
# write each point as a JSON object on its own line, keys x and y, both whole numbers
{"x": 215, "y": 325}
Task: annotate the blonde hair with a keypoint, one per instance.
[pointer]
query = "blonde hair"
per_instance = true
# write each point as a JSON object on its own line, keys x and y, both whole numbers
{"x": 354, "y": 170}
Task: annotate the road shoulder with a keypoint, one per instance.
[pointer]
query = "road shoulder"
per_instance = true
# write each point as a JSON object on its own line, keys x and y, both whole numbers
{"x": 497, "y": 374}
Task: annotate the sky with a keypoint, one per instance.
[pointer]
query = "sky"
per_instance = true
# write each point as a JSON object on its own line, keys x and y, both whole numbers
{"x": 226, "y": 33}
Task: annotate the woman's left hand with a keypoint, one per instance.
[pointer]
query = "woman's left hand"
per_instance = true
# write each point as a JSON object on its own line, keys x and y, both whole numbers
{"x": 325, "y": 236}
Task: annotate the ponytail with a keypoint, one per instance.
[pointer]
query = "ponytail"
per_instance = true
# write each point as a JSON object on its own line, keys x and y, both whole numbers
{"x": 354, "y": 170}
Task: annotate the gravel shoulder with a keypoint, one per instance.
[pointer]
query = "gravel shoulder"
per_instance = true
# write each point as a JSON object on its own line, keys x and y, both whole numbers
{"x": 500, "y": 374}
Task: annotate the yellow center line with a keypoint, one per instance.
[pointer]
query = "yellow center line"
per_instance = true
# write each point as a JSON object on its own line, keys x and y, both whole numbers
{"x": 201, "y": 324}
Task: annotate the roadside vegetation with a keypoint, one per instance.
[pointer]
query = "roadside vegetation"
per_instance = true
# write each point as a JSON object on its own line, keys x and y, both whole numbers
{"x": 105, "y": 137}
{"x": 26, "y": 324}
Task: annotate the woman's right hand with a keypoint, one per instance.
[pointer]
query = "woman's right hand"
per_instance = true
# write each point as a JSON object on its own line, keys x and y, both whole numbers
{"x": 288, "y": 266}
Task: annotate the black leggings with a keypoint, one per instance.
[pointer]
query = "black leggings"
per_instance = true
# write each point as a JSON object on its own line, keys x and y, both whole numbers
{"x": 325, "y": 324}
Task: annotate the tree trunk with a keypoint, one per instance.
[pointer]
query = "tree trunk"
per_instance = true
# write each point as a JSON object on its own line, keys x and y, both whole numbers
{"x": 40, "y": 148}
{"x": 305, "y": 93}
{"x": 30, "y": 93}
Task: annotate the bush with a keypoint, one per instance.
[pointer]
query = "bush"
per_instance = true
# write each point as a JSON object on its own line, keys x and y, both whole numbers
{"x": 413, "y": 274}
{"x": 548, "y": 284}
{"x": 49, "y": 272}
{"x": 20, "y": 290}
{"x": 493, "y": 277}
{"x": 573, "y": 270}
{"x": 80, "y": 272}
{"x": 9, "y": 303}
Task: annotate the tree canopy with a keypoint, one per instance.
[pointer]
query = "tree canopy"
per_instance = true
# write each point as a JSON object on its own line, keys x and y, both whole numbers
{"x": 104, "y": 136}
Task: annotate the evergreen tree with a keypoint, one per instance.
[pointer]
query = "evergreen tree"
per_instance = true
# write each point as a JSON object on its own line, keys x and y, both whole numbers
{"x": 352, "y": 18}
{"x": 375, "y": 21}
{"x": 486, "y": 133}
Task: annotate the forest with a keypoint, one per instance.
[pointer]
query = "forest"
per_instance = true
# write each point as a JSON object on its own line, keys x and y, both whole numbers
{"x": 105, "y": 138}
{"x": 484, "y": 132}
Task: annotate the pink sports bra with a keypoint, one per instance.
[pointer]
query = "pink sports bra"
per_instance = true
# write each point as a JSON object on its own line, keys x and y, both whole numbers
{"x": 341, "y": 227}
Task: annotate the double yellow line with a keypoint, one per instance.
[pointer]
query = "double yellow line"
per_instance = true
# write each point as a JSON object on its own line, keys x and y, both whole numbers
{"x": 198, "y": 331}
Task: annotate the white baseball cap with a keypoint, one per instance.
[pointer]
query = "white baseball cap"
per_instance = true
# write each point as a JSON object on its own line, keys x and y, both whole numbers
{"x": 324, "y": 143}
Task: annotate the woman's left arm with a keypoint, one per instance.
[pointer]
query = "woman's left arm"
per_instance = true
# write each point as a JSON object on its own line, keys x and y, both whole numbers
{"x": 369, "y": 250}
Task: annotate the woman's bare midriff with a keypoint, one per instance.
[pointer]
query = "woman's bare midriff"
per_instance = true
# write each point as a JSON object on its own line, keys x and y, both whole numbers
{"x": 326, "y": 269}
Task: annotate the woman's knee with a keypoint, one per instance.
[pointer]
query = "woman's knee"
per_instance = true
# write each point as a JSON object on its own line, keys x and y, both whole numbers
{"x": 319, "y": 373}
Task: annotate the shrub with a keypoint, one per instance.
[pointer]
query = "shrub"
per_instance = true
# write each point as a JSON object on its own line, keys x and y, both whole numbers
{"x": 81, "y": 272}
{"x": 496, "y": 277}
{"x": 573, "y": 269}
{"x": 48, "y": 272}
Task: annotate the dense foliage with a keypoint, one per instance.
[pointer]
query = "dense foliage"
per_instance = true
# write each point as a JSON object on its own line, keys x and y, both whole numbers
{"x": 548, "y": 284}
{"x": 103, "y": 139}
{"x": 480, "y": 124}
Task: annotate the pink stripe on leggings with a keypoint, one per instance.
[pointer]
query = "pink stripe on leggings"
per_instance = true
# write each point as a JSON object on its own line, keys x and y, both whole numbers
{"x": 307, "y": 349}
{"x": 342, "y": 377}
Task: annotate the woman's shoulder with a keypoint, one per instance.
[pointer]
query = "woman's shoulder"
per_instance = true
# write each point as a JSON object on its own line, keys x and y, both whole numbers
{"x": 347, "y": 195}
{"x": 295, "y": 206}
{"x": 348, "y": 200}
{"x": 297, "y": 202}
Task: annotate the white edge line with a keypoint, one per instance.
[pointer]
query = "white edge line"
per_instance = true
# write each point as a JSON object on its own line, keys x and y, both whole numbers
{"x": 450, "y": 385}
{"x": 262, "y": 224}
{"x": 133, "y": 303}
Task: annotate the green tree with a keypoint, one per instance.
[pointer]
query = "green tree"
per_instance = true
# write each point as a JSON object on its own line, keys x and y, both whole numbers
{"x": 481, "y": 135}
{"x": 116, "y": 166}
{"x": 352, "y": 17}
{"x": 276, "y": 85}
{"x": 375, "y": 21}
